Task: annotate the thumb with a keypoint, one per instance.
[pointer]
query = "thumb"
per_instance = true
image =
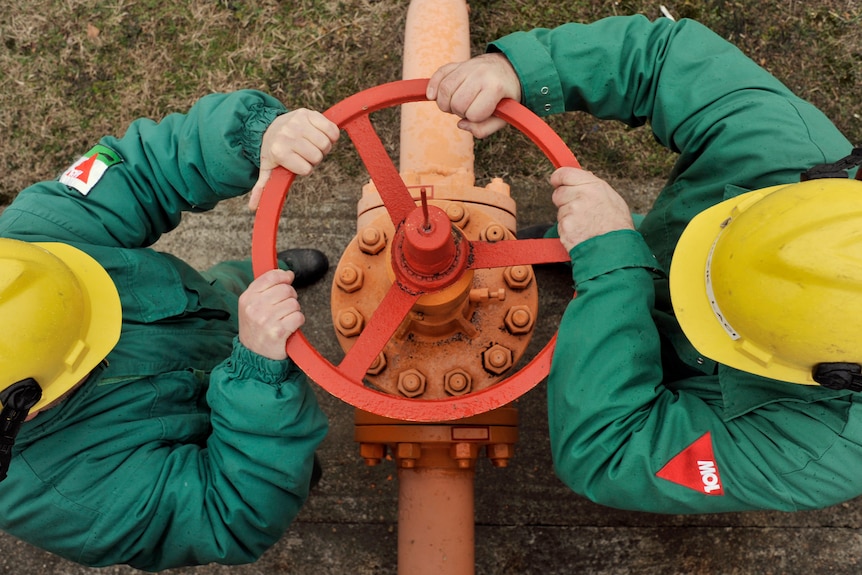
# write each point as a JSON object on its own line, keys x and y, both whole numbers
{"x": 257, "y": 190}
{"x": 484, "y": 128}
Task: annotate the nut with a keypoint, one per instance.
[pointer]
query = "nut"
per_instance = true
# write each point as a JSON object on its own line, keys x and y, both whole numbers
{"x": 378, "y": 365}
{"x": 458, "y": 214}
{"x": 500, "y": 453}
{"x": 518, "y": 277}
{"x": 411, "y": 383}
{"x": 497, "y": 359}
{"x": 349, "y": 277}
{"x": 457, "y": 382}
{"x": 350, "y": 322}
{"x": 371, "y": 240}
{"x": 519, "y": 320}
{"x": 493, "y": 233}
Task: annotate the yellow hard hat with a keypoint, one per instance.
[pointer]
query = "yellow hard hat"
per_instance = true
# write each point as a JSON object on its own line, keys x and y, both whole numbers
{"x": 770, "y": 282}
{"x": 60, "y": 313}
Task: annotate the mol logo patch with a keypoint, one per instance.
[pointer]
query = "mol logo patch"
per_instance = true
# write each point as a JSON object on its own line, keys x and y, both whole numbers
{"x": 695, "y": 467}
{"x": 89, "y": 168}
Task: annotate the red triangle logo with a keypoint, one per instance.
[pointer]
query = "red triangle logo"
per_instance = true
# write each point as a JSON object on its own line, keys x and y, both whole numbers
{"x": 695, "y": 467}
{"x": 84, "y": 168}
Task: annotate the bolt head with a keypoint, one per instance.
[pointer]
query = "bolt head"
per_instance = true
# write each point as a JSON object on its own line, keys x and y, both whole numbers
{"x": 497, "y": 359}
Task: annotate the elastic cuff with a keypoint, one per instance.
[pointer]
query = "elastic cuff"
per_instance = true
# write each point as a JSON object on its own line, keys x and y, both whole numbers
{"x": 259, "y": 118}
{"x": 246, "y": 364}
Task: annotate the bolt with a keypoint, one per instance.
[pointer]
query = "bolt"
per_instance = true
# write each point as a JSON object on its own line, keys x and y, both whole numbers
{"x": 411, "y": 383}
{"x": 519, "y": 320}
{"x": 497, "y": 359}
{"x": 484, "y": 294}
{"x": 407, "y": 453}
{"x": 371, "y": 240}
{"x": 349, "y": 277}
{"x": 378, "y": 365}
{"x": 493, "y": 233}
{"x": 518, "y": 277}
{"x": 350, "y": 322}
{"x": 457, "y": 382}
{"x": 458, "y": 214}
{"x": 464, "y": 454}
{"x": 372, "y": 453}
{"x": 500, "y": 453}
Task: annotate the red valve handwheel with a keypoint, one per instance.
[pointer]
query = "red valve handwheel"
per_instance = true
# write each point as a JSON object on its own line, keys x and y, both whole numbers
{"x": 345, "y": 380}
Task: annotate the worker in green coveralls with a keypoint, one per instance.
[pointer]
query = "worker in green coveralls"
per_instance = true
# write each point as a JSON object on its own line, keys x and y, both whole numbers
{"x": 150, "y": 416}
{"x": 711, "y": 359}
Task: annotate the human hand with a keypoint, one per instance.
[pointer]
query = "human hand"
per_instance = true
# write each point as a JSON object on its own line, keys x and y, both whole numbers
{"x": 269, "y": 313}
{"x": 472, "y": 90}
{"x": 587, "y": 206}
{"x": 297, "y": 141}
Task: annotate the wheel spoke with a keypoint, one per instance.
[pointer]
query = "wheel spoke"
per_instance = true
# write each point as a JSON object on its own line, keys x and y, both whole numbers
{"x": 383, "y": 323}
{"x": 396, "y": 198}
{"x": 517, "y": 252}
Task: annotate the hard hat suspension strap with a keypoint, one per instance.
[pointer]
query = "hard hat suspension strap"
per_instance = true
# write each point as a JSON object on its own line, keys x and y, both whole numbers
{"x": 835, "y": 170}
{"x": 838, "y": 375}
{"x": 17, "y": 401}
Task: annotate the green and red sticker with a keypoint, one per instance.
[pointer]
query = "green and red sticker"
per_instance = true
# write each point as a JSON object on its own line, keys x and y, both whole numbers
{"x": 89, "y": 168}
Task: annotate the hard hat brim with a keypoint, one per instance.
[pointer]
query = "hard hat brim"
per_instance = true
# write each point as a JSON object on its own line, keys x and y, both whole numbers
{"x": 104, "y": 318}
{"x": 691, "y": 302}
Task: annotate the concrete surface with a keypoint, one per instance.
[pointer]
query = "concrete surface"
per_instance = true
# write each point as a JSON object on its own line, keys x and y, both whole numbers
{"x": 527, "y": 522}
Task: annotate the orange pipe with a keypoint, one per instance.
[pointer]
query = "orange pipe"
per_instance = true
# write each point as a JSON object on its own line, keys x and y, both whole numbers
{"x": 436, "y": 32}
{"x": 436, "y": 521}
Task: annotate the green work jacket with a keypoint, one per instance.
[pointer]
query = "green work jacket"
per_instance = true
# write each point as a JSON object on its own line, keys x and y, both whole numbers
{"x": 638, "y": 418}
{"x": 184, "y": 447}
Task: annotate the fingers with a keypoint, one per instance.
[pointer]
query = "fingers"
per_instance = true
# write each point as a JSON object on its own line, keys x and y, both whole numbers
{"x": 269, "y": 313}
{"x": 441, "y": 76}
{"x": 297, "y": 141}
{"x": 587, "y": 206}
{"x": 257, "y": 190}
{"x": 575, "y": 177}
{"x": 472, "y": 90}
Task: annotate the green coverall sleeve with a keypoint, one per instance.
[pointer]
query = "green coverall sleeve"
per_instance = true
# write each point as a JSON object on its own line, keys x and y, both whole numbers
{"x": 163, "y": 476}
{"x": 185, "y": 162}
{"x": 232, "y": 501}
{"x": 732, "y": 123}
{"x": 188, "y": 448}
{"x": 615, "y": 423}
{"x": 616, "y": 418}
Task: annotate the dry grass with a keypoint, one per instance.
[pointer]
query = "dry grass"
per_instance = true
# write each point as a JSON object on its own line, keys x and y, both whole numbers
{"x": 73, "y": 70}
